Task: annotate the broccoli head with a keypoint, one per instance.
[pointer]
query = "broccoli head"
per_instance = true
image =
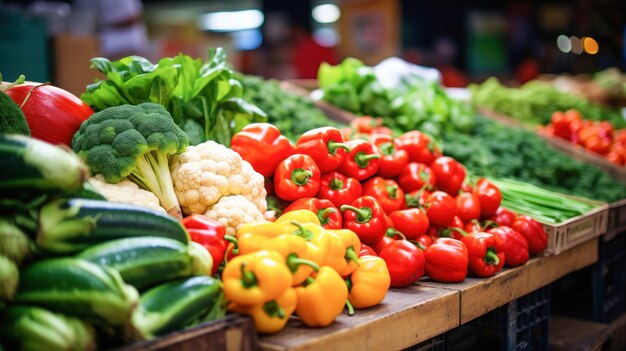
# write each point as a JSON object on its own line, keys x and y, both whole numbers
{"x": 133, "y": 142}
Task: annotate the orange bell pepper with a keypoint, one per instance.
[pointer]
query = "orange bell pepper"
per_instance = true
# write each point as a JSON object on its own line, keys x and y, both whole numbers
{"x": 271, "y": 316}
{"x": 321, "y": 300}
{"x": 342, "y": 255}
{"x": 369, "y": 283}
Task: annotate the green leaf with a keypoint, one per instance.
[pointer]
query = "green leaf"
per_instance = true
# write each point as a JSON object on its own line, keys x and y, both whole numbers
{"x": 194, "y": 131}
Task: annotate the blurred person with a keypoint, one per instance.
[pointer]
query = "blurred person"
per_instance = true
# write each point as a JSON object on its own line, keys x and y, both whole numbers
{"x": 121, "y": 27}
{"x": 444, "y": 55}
{"x": 308, "y": 55}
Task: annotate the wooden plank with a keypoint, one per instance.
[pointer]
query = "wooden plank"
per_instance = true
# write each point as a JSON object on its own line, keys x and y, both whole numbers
{"x": 406, "y": 317}
{"x": 479, "y": 296}
{"x": 569, "y": 334}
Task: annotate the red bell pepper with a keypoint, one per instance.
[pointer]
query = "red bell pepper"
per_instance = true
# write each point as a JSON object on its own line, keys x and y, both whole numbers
{"x": 366, "y": 251}
{"x": 416, "y": 198}
{"x": 339, "y": 189}
{"x": 424, "y": 240}
{"x": 366, "y": 124}
{"x": 392, "y": 158}
{"x": 297, "y": 176}
{"x": 440, "y": 209}
{"x": 486, "y": 253}
{"x": 449, "y": 173}
{"x": 419, "y": 146}
{"x": 386, "y": 192}
{"x": 456, "y": 230}
{"x": 415, "y": 176}
{"x": 404, "y": 261}
{"x": 262, "y": 145}
{"x": 326, "y": 147}
{"x": 411, "y": 222}
{"x": 327, "y": 213}
{"x": 382, "y": 243}
{"x": 489, "y": 196}
{"x": 515, "y": 245}
{"x": 446, "y": 260}
{"x": 467, "y": 207}
{"x": 362, "y": 161}
{"x": 366, "y": 218}
{"x": 382, "y": 130}
{"x": 210, "y": 234}
{"x": 503, "y": 217}
{"x": 533, "y": 232}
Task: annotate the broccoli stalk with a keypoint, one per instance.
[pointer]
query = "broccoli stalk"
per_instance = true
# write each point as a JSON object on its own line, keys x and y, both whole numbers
{"x": 134, "y": 142}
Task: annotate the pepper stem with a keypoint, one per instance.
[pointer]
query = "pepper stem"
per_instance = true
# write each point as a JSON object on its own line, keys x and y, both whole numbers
{"x": 293, "y": 262}
{"x": 351, "y": 255}
{"x": 363, "y": 214}
{"x": 348, "y": 283}
{"x": 491, "y": 257}
{"x": 234, "y": 241}
{"x": 336, "y": 184}
{"x": 362, "y": 159}
{"x": 333, "y": 146}
{"x": 392, "y": 232}
{"x": 18, "y": 81}
{"x": 302, "y": 231}
{"x": 418, "y": 244}
{"x": 248, "y": 279}
{"x": 273, "y": 309}
{"x": 301, "y": 176}
{"x": 387, "y": 148}
{"x": 392, "y": 191}
{"x": 458, "y": 230}
{"x": 350, "y": 308}
{"x": 323, "y": 214}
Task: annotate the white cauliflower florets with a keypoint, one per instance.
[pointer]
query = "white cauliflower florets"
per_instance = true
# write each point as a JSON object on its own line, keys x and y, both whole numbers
{"x": 125, "y": 192}
{"x": 206, "y": 172}
{"x": 234, "y": 211}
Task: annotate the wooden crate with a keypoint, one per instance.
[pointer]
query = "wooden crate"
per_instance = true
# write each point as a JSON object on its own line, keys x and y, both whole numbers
{"x": 617, "y": 219}
{"x": 303, "y": 87}
{"x": 232, "y": 333}
{"x": 570, "y": 334}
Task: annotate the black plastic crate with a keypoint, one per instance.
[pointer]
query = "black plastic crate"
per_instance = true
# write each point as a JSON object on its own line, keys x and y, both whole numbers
{"x": 597, "y": 292}
{"x": 438, "y": 343}
{"x": 519, "y": 325}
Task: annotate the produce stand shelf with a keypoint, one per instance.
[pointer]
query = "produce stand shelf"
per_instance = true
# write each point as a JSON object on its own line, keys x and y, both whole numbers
{"x": 406, "y": 317}
{"x": 303, "y": 88}
{"x": 479, "y": 296}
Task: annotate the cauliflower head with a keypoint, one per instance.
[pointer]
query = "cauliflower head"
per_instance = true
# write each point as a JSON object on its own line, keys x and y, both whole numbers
{"x": 125, "y": 192}
{"x": 234, "y": 211}
{"x": 206, "y": 172}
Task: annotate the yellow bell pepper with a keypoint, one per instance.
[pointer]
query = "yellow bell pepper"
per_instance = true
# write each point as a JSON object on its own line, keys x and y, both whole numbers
{"x": 302, "y": 216}
{"x": 271, "y": 316}
{"x": 265, "y": 228}
{"x": 369, "y": 282}
{"x": 342, "y": 255}
{"x": 318, "y": 243}
{"x": 256, "y": 278}
{"x": 321, "y": 300}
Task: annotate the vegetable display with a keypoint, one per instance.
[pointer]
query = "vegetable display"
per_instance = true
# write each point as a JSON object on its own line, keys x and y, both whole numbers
{"x": 204, "y": 99}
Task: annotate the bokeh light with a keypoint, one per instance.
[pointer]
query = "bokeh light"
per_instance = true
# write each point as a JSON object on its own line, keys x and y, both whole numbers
{"x": 590, "y": 45}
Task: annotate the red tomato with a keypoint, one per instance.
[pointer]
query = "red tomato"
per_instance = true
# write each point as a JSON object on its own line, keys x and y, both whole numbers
{"x": 503, "y": 217}
{"x": 615, "y": 157}
{"x": 449, "y": 173}
{"x": 620, "y": 136}
{"x": 598, "y": 144}
{"x": 441, "y": 209}
{"x": 489, "y": 196}
{"x": 467, "y": 207}
{"x": 53, "y": 114}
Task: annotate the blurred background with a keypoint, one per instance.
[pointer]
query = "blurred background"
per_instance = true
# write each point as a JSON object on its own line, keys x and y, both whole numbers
{"x": 288, "y": 39}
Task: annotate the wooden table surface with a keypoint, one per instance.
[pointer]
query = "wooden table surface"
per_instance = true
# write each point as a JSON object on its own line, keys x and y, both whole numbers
{"x": 411, "y": 315}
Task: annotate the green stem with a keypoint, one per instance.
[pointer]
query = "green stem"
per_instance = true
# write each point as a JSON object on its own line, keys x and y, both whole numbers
{"x": 234, "y": 241}
{"x": 491, "y": 257}
{"x": 301, "y": 176}
{"x": 387, "y": 148}
{"x": 323, "y": 215}
{"x": 18, "y": 81}
{"x": 418, "y": 244}
{"x": 336, "y": 184}
{"x": 293, "y": 262}
{"x": 333, "y": 146}
{"x": 363, "y": 215}
{"x": 302, "y": 231}
{"x": 362, "y": 159}
{"x": 351, "y": 255}
{"x": 392, "y": 232}
{"x": 392, "y": 191}
{"x": 350, "y": 308}
{"x": 248, "y": 279}
{"x": 273, "y": 309}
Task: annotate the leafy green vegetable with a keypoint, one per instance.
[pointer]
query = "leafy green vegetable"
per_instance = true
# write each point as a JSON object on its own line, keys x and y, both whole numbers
{"x": 12, "y": 120}
{"x": 493, "y": 149}
{"x": 290, "y": 113}
{"x": 203, "y": 98}
{"x": 134, "y": 142}
{"x": 535, "y": 102}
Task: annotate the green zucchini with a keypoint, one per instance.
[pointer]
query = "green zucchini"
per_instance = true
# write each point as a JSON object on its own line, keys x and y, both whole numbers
{"x": 9, "y": 278}
{"x": 14, "y": 243}
{"x": 146, "y": 261}
{"x": 72, "y": 225}
{"x": 174, "y": 305}
{"x": 28, "y": 328}
{"x": 29, "y": 164}
{"x": 78, "y": 288}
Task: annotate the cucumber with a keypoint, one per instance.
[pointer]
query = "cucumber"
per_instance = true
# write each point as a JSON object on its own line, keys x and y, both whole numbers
{"x": 72, "y": 225}
{"x": 29, "y": 164}
{"x": 146, "y": 261}
{"x": 27, "y": 328}
{"x": 174, "y": 305}
{"x": 9, "y": 279}
{"x": 78, "y": 288}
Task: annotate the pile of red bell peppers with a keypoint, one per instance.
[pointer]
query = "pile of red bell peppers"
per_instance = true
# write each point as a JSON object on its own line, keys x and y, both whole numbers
{"x": 408, "y": 204}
